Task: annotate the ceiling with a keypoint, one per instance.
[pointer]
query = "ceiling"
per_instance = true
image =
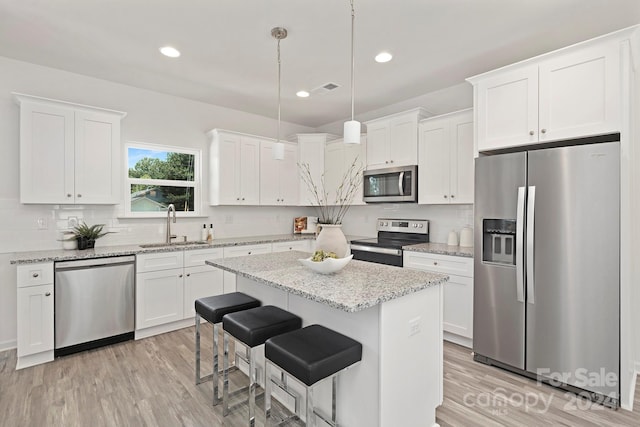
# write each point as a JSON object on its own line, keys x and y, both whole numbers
{"x": 229, "y": 57}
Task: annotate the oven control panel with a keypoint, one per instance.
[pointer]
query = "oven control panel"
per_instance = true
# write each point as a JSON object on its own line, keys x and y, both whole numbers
{"x": 420, "y": 226}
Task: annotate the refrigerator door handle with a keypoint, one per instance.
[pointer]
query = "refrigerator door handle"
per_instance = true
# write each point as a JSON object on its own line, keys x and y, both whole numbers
{"x": 531, "y": 203}
{"x": 520, "y": 245}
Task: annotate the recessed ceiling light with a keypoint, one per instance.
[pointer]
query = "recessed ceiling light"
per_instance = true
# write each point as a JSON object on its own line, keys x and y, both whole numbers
{"x": 302, "y": 93}
{"x": 169, "y": 51}
{"x": 383, "y": 57}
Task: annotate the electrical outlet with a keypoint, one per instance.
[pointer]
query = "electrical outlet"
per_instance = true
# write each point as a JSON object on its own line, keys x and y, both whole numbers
{"x": 414, "y": 326}
{"x": 42, "y": 223}
{"x": 72, "y": 221}
{"x": 228, "y": 219}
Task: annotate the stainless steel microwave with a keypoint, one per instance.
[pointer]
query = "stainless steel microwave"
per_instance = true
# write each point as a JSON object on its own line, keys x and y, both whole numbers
{"x": 391, "y": 185}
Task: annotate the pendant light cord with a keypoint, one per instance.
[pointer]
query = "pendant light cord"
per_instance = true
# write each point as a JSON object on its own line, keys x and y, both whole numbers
{"x": 353, "y": 61}
{"x": 279, "y": 79}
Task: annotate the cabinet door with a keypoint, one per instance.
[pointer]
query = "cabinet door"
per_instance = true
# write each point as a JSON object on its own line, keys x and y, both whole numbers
{"x": 403, "y": 141}
{"x": 311, "y": 153}
{"x": 197, "y": 257}
{"x": 507, "y": 109}
{"x": 159, "y": 297}
{"x": 458, "y": 306}
{"x": 35, "y": 319}
{"x": 296, "y": 245}
{"x": 333, "y": 170}
{"x": 250, "y": 171}
{"x": 225, "y": 182}
{"x": 244, "y": 250}
{"x": 580, "y": 93}
{"x": 378, "y": 145}
{"x": 288, "y": 176}
{"x": 461, "y": 159}
{"x": 433, "y": 166}
{"x": 46, "y": 154}
{"x": 356, "y": 154}
{"x": 269, "y": 175}
{"x": 97, "y": 158}
{"x": 200, "y": 282}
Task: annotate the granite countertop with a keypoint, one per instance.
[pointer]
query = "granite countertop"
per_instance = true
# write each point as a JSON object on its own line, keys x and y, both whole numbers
{"x": 440, "y": 249}
{"x": 108, "y": 251}
{"x": 358, "y": 286}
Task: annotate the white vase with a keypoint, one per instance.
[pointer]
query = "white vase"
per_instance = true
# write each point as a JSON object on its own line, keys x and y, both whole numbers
{"x": 331, "y": 239}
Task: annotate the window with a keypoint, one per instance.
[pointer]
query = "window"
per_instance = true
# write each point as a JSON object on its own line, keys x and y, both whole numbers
{"x": 158, "y": 176}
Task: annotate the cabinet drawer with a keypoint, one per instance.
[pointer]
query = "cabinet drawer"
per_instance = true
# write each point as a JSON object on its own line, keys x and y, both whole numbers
{"x": 35, "y": 274}
{"x": 446, "y": 264}
{"x": 159, "y": 261}
{"x": 196, "y": 258}
{"x": 296, "y": 245}
{"x": 245, "y": 250}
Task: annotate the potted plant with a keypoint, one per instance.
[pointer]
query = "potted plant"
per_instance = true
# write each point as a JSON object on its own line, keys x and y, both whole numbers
{"x": 87, "y": 235}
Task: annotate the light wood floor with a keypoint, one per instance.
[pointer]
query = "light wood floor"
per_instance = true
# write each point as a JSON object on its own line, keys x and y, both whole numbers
{"x": 151, "y": 383}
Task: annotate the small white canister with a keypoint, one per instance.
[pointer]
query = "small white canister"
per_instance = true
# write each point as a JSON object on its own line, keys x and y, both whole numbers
{"x": 466, "y": 237}
{"x": 69, "y": 241}
{"x": 453, "y": 238}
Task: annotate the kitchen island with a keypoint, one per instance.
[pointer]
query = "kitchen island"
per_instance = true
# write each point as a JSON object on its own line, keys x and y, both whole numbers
{"x": 395, "y": 313}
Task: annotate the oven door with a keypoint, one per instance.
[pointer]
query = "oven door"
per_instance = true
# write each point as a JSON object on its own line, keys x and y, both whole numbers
{"x": 391, "y": 185}
{"x": 387, "y": 256}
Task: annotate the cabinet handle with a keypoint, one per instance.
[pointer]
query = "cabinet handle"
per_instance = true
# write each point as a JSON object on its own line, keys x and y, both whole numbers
{"x": 180, "y": 275}
{"x": 445, "y": 196}
{"x": 69, "y": 195}
{"x": 188, "y": 274}
{"x": 391, "y": 161}
{"x": 452, "y": 196}
{"x": 435, "y": 262}
{"x": 386, "y": 161}
{"x": 243, "y": 198}
{"x": 237, "y": 198}
{"x": 35, "y": 274}
{"x": 543, "y": 131}
{"x": 249, "y": 253}
{"x": 79, "y": 195}
{"x": 531, "y": 133}
{"x": 47, "y": 294}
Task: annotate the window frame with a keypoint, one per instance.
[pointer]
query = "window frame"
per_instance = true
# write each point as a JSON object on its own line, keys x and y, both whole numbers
{"x": 196, "y": 184}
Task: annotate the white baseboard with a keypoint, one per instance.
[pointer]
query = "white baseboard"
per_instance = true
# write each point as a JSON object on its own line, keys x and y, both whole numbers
{"x": 161, "y": 329}
{"x": 8, "y": 345}
{"x": 457, "y": 339}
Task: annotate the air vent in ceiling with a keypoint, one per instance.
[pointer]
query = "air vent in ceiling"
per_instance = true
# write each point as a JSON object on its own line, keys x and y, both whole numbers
{"x": 325, "y": 88}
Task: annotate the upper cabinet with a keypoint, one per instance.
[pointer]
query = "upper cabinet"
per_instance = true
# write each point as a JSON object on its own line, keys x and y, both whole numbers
{"x": 279, "y": 182}
{"x": 69, "y": 153}
{"x": 574, "y": 92}
{"x": 234, "y": 168}
{"x": 311, "y": 149}
{"x": 445, "y": 165}
{"x": 339, "y": 158}
{"x": 393, "y": 140}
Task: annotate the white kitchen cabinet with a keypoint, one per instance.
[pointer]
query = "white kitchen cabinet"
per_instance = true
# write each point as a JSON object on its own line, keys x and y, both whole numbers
{"x": 445, "y": 163}
{"x": 244, "y": 250}
{"x": 279, "y": 184}
{"x": 393, "y": 140}
{"x": 201, "y": 280}
{"x": 339, "y": 157}
{"x": 295, "y": 245}
{"x": 69, "y": 153}
{"x": 571, "y": 93}
{"x": 458, "y": 292}
{"x": 35, "y": 321}
{"x": 234, "y": 168}
{"x": 311, "y": 149}
{"x": 159, "y": 297}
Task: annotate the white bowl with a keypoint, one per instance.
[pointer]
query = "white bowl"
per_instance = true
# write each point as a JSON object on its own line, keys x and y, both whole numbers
{"x": 328, "y": 266}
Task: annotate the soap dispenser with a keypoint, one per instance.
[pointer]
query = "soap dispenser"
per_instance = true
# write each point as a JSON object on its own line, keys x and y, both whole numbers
{"x": 204, "y": 234}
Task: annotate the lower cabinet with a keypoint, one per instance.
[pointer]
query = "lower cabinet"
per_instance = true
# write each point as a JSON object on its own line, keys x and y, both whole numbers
{"x": 159, "y": 297}
{"x": 200, "y": 282}
{"x": 35, "y": 319}
{"x": 296, "y": 245}
{"x": 458, "y": 292}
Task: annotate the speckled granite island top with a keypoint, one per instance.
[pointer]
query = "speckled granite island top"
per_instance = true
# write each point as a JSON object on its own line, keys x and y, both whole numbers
{"x": 358, "y": 286}
{"x": 440, "y": 249}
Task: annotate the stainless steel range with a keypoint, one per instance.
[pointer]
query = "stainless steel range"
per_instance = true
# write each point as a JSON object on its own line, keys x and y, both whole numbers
{"x": 393, "y": 234}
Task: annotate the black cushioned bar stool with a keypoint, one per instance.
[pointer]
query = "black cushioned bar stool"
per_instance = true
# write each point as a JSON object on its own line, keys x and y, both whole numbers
{"x": 252, "y": 328}
{"x": 310, "y": 354}
{"x": 212, "y": 309}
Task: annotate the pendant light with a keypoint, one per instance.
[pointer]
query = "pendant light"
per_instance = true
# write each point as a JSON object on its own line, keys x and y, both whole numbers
{"x": 351, "y": 132}
{"x": 278, "y": 33}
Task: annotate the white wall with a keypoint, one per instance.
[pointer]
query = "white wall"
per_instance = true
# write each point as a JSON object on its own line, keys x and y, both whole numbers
{"x": 152, "y": 117}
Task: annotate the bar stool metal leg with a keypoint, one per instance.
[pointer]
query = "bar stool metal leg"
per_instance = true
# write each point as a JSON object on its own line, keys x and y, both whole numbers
{"x": 252, "y": 387}
{"x": 197, "y": 349}
{"x": 311, "y": 418}
{"x": 216, "y": 397}
{"x": 225, "y": 374}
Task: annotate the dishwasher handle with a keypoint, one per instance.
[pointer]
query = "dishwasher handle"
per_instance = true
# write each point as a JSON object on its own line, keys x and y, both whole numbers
{"x": 94, "y": 262}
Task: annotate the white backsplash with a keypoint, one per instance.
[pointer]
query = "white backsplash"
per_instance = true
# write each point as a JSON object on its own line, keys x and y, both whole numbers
{"x": 361, "y": 220}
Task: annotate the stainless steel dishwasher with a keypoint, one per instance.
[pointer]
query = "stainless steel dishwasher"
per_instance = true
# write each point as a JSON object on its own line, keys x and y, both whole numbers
{"x": 94, "y": 303}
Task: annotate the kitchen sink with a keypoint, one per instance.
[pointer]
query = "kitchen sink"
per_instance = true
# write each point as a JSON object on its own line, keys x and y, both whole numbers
{"x": 164, "y": 245}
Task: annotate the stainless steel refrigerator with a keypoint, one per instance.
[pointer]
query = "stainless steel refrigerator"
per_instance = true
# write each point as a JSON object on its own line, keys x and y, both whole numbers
{"x": 547, "y": 277}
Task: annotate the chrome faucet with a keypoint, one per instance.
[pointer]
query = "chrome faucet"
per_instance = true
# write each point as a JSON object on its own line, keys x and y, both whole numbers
{"x": 169, "y": 235}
